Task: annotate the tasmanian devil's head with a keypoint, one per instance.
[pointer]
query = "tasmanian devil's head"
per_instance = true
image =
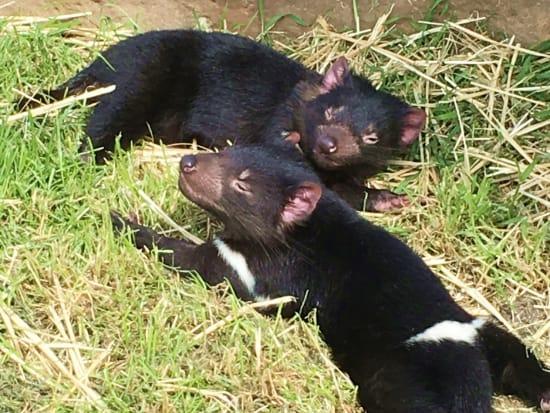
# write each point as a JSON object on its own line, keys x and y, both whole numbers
{"x": 258, "y": 192}
{"x": 345, "y": 121}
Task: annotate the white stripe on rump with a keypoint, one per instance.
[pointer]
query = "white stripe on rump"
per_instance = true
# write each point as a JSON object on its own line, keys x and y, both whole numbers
{"x": 449, "y": 330}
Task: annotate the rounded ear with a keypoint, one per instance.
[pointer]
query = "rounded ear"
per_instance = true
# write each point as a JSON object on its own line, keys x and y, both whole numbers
{"x": 335, "y": 75}
{"x": 302, "y": 202}
{"x": 293, "y": 137}
{"x": 413, "y": 122}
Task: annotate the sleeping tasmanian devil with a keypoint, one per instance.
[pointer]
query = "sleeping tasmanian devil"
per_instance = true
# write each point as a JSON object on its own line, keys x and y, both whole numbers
{"x": 214, "y": 87}
{"x": 390, "y": 323}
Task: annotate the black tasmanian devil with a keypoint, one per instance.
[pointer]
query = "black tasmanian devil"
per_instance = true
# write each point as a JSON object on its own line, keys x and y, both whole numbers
{"x": 214, "y": 87}
{"x": 389, "y": 321}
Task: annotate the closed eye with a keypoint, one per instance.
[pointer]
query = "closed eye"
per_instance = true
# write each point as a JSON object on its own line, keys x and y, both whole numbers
{"x": 240, "y": 186}
{"x": 370, "y": 139}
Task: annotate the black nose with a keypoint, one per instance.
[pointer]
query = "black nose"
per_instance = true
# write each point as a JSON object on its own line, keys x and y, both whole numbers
{"x": 188, "y": 163}
{"x": 327, "y": 144}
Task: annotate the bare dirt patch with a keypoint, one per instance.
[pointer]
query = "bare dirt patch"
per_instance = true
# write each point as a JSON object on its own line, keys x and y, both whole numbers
{"x": 528, "y": 20}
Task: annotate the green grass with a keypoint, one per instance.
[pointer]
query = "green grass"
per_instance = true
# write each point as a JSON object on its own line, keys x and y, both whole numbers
{"x": 90, "y": 324}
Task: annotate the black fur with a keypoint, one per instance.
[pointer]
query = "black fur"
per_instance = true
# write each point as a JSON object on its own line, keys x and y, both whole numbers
{"x": 214, "y": 87}
{"x": 371, "y": 292}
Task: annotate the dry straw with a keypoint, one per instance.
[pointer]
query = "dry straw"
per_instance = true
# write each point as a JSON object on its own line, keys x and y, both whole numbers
{"x": 506, "y": 142}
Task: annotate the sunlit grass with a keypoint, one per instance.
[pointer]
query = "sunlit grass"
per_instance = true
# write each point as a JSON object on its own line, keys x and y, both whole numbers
{"x": 88, "y": 323}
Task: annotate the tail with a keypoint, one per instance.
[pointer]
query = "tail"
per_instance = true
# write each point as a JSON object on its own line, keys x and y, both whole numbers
{"x": 80, "y": 83}
{"x": 515, "y": 369}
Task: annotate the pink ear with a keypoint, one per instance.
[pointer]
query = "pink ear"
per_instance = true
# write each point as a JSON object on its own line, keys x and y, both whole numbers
{"x": 301, "y": 203}
{"x": 293, "y": 137}
{"x": 335, "y": 75}
{"x": 413, "y": 122}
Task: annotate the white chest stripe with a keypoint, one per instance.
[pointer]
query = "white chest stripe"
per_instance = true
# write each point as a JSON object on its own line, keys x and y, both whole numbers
{"x": 238, "y": 262}
{"x": 449, "y": 330}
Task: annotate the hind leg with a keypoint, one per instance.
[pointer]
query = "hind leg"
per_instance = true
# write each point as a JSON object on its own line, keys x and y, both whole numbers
{"x": 515, "y": 369}
{"x": 124, "y": 114}
{"x": 443, "y": 377}
{"x": 80, "y": 83}
{"x": 143, "y": 97}
{"x": 107, "y": 121}
{"x": 395, "y": 388}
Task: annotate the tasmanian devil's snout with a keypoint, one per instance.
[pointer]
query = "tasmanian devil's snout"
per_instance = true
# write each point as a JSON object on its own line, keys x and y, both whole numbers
{"x": 327, "y": 144}
{"x": 201, "y": 177}
{"x": 188, "y": 163}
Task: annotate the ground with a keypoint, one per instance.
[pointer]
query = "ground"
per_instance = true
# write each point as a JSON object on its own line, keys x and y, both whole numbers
{"x": 528, "y": 20}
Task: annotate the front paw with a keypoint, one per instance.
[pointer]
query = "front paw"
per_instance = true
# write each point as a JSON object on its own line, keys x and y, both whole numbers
{"x": 142, "y": 237}
{"x": 384, "y": 201}
{"x": 120, "y": 224}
